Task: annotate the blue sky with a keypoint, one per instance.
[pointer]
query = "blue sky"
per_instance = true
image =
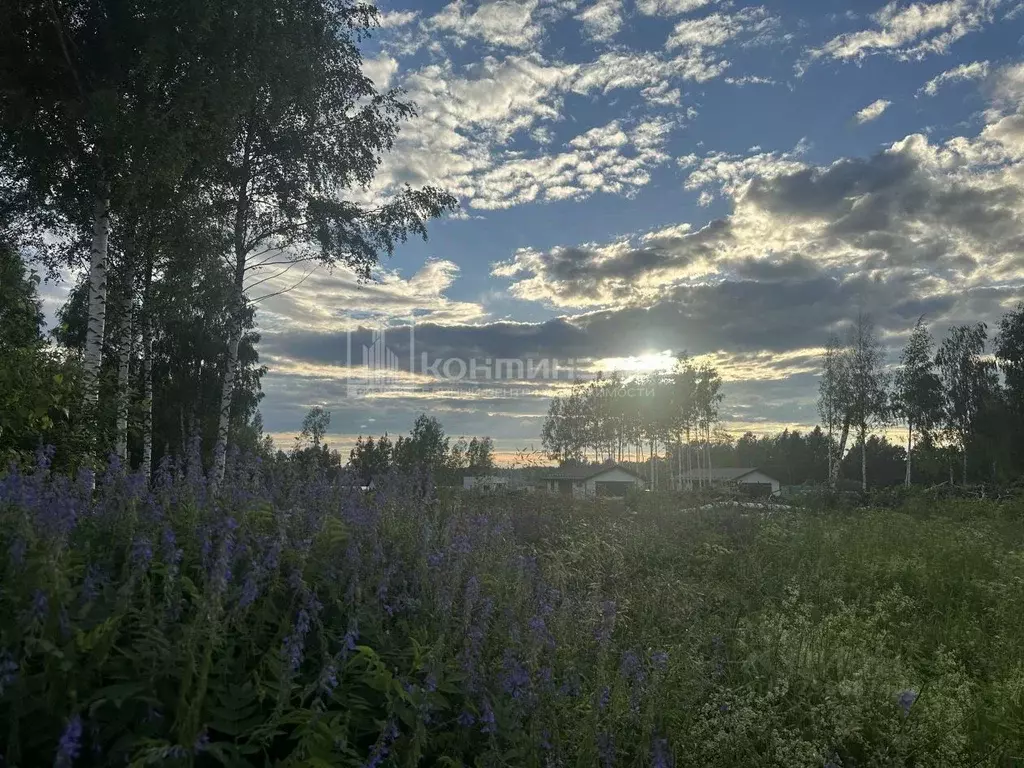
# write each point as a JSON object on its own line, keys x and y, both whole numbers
{"x": 732, "y": 179}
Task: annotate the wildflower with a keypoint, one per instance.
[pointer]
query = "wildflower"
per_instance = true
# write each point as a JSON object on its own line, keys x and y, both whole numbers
{"x": 660, "y": 755}
{"x": 70, "y": 743}
{"x": 545, "y": 740}
{"x": 603, "y": 698}
{"x": 40, "y": 606}
{"x": 487, "y": 724}
{"x": 660, "y": 660}
{"x": 465, "y": 719}
{"x": 329, "y": 678}
{"x": 201, "y": 743}
{"x": 606, "y": 749}
{"x": 383, "y": 745}
{"x": 906, "y": 700}
{"x": 631, "y": 667}
{"x": 516, "y": 678}
{"x": 8, "y": 671}
{"x": 142, "y": 552}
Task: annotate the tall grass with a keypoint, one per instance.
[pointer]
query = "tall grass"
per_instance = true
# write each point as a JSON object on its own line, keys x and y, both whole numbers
{"x": 291, "y": 621}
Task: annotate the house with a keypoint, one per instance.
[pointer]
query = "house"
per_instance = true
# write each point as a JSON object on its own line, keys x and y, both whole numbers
{"x": 484, "y": 482}
{"x": 605, "y": 480}
{"x": 749, "y": 480}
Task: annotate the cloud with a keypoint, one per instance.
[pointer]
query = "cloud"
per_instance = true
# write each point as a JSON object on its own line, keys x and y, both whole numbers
{"x": 919, "y": 227}
{"x": 872, "y": 111}
{"x": 912, "y": 31}
{"x": 507, "y": 23}
{"x": 670, "y": 7}
{"x": 1008, "y": 85}
{"x": 717, "y": 29}
{"x": 976, "y": 70}
{"x": 394, "y": 19}
{"x": 602, "y": 20}
{"x": 380, "y": 69}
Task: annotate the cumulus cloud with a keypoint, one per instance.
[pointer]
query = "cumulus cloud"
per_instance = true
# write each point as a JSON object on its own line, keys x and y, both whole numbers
{"x": 507, "y": 23}
{"x": 1008, "y": 86}
{"x": 920, "y": 227}
{"x": 670, "y": 7}
{"x": 717, "y": 29}
{"x": 872, "y": 111}
{"x": 975, "y": 70}
{"x": 912, "y": 31}
{"x": 394, "y": 19}
{"x": 380, "y": 69}
{"x": 602, "y": 20}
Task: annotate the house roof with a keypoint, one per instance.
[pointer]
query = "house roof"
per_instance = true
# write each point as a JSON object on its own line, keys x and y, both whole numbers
{"x": 724, "y": 473}
{"x": 586, "y": 473}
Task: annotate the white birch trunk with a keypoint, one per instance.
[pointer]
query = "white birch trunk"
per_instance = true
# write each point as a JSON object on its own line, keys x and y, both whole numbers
{"x": 840, "y": 449}
{"x": 863, "y": 459}
{"x": 910, "y": 448}
{"x": 227, "y": 392}
{"x": 93, "y": 357}
{"x": 123, "y": 363}
{"x": 147, "y": 397}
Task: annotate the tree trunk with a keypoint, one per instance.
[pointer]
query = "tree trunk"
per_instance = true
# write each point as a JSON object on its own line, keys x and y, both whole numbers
{"x": 840, "y": 449}
{"x": 864, "y": 458}
{"x": 147, "y": 375}
{"x": 124, "y": 353}
{"x": 964, "y": 472}
{"x": 93, "y": 357}
{"x": 910, "y": 448}
{"x": 227, "y": 392}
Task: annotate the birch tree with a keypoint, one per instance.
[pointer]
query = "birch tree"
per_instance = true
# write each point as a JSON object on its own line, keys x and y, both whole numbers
{"x": 834, "y": 403}
{"x": 308, "y": 126}
{"x": 968, "y": 379}
{"x": 868, "y": 382}
{"x": 917, "y": 393}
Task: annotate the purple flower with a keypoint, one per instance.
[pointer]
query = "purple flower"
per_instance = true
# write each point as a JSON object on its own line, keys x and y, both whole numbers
{"x": 465, "y": 719}
{"x": 70, "y": 743}
{"x": 40, "y": 606}
{"x": 660, "y": 755}
{"x": 603, "y": 698}
{"x": 201, "y": 743}
{"x": 487, "y": 724}
{"x": 906, "y": 700}
{"x": 8, "y": 670}
{"x": 142, "y": 552}
{"x": 515, "y": 679}
{"x": 380, "y": 749}
{"x": 631, "y": 667}
{"x": 606, "y": 749}
{"x": 329, "y": 678}
{"x": 660, "y": 660}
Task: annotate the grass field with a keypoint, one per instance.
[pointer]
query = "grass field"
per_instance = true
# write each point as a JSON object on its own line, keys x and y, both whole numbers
{"x": 290, "y": 622}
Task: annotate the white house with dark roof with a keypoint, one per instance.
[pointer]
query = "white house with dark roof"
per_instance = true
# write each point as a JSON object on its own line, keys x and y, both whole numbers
{"x": 605, "y": 480}
{"x": 750, "y": 480}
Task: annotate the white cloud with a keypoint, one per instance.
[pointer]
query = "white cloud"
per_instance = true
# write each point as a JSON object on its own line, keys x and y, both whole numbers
{"x": 1009, "y": 84}
{"x": 602, "y": 20}
{"x": 393, "y": 19}
{"x": 976, "y": 70}
{"x": 872, "y": 111}
{"x": 912, "y": 31}
{"x": 670, "y": 7}
{"x": 380, "y": 69}
{"x": 507, "y": 23}
{"x": 717, "y": 29}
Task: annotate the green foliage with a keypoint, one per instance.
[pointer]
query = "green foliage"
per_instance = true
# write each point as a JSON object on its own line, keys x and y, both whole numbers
{"x": 293, "y": 623}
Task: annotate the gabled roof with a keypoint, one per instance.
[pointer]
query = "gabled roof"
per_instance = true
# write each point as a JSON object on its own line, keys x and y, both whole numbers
{"x": 723, "y": 473}
{"x": 586, "y": 473}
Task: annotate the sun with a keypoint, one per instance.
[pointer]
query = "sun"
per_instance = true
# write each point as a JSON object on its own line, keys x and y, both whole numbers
{"x": 648, "y": 362}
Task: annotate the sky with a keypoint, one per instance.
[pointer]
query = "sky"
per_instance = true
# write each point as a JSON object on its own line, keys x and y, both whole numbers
{"x": 641, "y": 177}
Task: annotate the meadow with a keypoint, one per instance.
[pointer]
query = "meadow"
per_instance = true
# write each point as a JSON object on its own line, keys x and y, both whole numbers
{"x": 290, "y": 620}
